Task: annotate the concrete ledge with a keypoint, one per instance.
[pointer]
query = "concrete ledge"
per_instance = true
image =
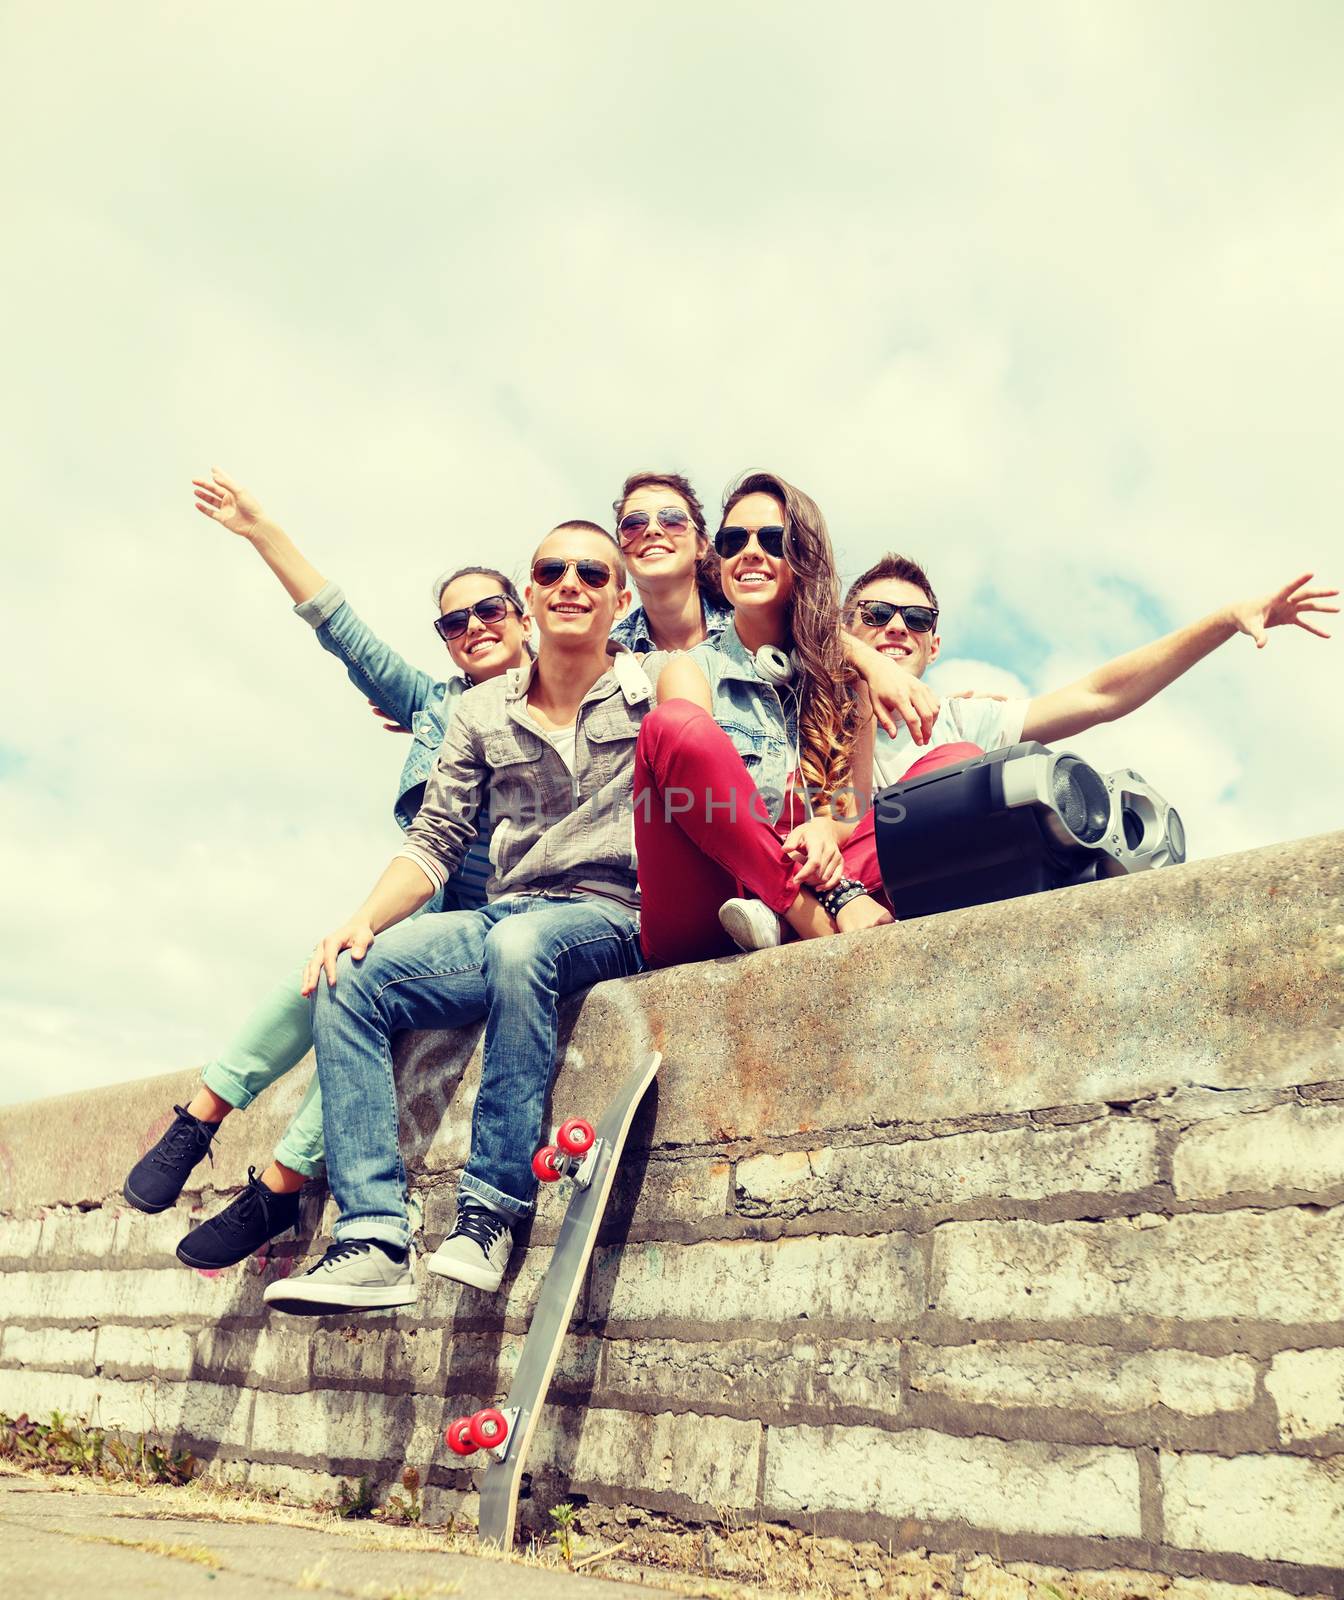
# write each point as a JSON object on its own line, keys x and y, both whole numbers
{"x": 1223, "y": 974}
{"x": 1014, "y": 1231}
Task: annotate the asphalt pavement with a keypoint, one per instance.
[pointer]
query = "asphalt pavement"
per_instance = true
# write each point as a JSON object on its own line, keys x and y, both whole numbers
{"x": 59, "y": 1543}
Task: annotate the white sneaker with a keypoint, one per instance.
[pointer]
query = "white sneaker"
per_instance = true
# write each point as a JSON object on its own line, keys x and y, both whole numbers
{"x": 751, "y": 924}
{"x": 477, "y": 1250}
{"x": 353, "y": 1275}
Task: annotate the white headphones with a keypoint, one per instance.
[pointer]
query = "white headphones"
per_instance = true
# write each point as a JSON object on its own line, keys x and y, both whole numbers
{"x": 779, "y": 668}
{"x": 776, "y": 666}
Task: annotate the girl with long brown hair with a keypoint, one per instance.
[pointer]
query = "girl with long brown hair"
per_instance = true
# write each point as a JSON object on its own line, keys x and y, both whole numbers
{"x": 746, "y": 774}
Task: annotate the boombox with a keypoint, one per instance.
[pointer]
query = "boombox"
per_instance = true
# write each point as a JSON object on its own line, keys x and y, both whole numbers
{"x": 1014, "y": 822}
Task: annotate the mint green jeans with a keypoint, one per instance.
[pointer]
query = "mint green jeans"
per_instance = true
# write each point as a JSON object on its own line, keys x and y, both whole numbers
{"x": 276, "y": 1037}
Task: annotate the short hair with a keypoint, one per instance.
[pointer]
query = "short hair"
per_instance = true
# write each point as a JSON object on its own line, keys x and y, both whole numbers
{"x": 891, "y": 566}
{"x": 582, "y": 525}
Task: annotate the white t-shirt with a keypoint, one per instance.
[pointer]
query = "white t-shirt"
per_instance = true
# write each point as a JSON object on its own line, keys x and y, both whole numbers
{"x": 992, "y": 724}
{"x": 565, "y": 741}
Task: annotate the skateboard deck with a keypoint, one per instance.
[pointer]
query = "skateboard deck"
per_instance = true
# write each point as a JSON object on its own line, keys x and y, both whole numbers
{"x": 554, "y": 1308}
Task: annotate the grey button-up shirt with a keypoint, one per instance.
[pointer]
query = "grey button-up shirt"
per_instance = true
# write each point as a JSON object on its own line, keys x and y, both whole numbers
{"x": 552, "y": 830}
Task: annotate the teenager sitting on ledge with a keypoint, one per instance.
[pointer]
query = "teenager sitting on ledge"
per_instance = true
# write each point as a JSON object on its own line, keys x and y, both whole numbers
{"x": 745, "y": 825}
{"x": 481, "y": 623}
{"x": 550, "y": 748}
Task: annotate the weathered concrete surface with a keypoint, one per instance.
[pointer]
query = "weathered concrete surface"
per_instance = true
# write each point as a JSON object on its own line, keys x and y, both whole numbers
{"x": 1018, "y": 1232}
{"x": 1232, "y": 964}
{"x": 64, "y": 1546}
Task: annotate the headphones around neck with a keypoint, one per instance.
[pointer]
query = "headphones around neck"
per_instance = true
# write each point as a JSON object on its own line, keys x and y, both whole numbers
{"x": 776, "y": 666}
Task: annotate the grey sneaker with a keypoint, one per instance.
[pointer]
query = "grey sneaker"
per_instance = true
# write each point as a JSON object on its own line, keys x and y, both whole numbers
{"x": 354, "y": 1275}
{"x": 477, "y": 1250}
{"x": 751, "y": 924}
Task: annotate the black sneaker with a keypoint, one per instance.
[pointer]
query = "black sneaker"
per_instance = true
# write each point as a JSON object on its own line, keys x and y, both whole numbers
{"x": 156, "y": 1180}
{"x": 240, "y": 1230}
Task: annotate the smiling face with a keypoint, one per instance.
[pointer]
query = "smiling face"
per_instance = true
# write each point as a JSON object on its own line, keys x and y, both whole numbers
{"x": 752, "y": 580}
{"x": 569, "y": 612}
{"x": 661, "y": 555}
{"x": 487, "y": 648}
{"x": 916, "y": 652}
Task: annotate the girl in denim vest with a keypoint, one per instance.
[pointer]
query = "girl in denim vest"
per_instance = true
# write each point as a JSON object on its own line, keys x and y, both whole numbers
{"x": 746, "y": 774}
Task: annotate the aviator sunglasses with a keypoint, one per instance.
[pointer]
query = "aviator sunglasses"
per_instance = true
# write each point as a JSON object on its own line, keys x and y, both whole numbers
{"x": 915, "y": 619}
{"x": 730, "y": 541}
{"x": 453, "y": 624}
{"x": 671, "y": 518}
{"x": 550, "y": 569}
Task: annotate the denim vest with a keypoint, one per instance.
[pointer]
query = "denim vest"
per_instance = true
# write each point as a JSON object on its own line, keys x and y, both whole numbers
{"x": 633, "y": 630}
{"x": 762, "y": 721}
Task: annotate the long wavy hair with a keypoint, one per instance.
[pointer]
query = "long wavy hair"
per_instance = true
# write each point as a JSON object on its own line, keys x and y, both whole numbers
{"x": 828, "y": 713}
{"x": 707, "y": 560}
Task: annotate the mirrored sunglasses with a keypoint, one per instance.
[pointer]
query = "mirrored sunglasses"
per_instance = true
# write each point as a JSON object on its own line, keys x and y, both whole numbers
{"x": 550, "y": 569}
{"x": 453, "y": 624}
{"x": 673, "y": 518}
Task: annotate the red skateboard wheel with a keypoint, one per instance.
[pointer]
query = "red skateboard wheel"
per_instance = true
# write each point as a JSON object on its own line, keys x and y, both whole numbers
{"x": 544, "y": 1164}
{"x": 575, "y": 1137}
{"x": 488, "y": 1428}
{"x": 457, "y": 1436}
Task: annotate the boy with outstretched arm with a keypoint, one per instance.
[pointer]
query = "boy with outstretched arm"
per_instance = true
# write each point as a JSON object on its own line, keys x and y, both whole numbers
{"x": 550, "y": 747}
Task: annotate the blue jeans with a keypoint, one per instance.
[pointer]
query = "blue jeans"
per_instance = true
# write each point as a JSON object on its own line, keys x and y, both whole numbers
{"x": 509, "y": 962}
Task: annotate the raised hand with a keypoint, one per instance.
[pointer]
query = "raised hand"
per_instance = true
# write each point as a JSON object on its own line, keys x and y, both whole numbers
{"x": 227, "y": 503}
{"x": 1280, "y": 608}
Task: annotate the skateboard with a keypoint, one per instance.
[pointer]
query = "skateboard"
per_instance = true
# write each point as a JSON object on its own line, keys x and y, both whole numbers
{"x": 588, "y": 1156}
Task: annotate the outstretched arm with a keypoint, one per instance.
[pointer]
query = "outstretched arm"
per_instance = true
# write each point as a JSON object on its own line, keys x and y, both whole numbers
{"x": 1122, "y": 685}
{"x": 382, "y": 675}
{"x": 227, "y": 503}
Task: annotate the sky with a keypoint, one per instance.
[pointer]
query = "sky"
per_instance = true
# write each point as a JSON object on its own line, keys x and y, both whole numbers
{"x": 1047, "y": 296}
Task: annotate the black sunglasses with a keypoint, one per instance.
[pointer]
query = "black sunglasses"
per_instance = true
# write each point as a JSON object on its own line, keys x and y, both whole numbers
{"x": 673, "y": 518}
{"x": 730, "y": 541}
{"x": 915, "y": 619}
{"x": 453, "y": 624}
{"x": 550, "y": 569}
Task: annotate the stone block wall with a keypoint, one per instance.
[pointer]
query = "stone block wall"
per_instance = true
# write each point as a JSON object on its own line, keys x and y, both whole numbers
{"x": 1014, "y": 1232}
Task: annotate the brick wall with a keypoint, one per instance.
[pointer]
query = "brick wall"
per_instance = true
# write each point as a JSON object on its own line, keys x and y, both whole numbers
{"x": 1018, "y": 1231}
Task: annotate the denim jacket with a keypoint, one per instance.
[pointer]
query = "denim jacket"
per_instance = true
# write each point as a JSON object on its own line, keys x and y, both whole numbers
{"x": 762, "y": 721}
{"x": 633, "y": 629}
{"x": 410, "y": 697}
{"x": 553, "y": 831}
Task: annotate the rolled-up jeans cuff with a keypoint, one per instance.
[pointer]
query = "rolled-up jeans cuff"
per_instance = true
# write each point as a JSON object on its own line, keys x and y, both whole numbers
{"x": 515, "y": 1210}
{"x": 297, "y": 1161}
{"x": 389, "y": 1230}
{"x": 219, "y": 1080}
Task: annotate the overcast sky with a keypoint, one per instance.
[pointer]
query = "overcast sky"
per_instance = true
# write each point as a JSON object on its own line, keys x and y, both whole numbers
{"x": 1047, "y": 295}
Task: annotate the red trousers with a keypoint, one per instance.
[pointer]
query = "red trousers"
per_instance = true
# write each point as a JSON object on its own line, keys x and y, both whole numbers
{"x": 703, "y": 835}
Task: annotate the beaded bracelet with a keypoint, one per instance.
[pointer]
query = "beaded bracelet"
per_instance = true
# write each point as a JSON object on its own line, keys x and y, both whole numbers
{"x": 833, "y": 900}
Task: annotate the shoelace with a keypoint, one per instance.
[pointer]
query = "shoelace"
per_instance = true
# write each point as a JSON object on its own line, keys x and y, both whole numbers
{"x": 336, "y": 1253}
{"x": 482, "y": 1227}
{"x": 181, "y": 1139}
{"x": 256, "y": 1195}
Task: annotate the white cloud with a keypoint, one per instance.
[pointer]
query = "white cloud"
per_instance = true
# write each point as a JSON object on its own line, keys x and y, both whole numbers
{"x": 1050, "y": 302}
